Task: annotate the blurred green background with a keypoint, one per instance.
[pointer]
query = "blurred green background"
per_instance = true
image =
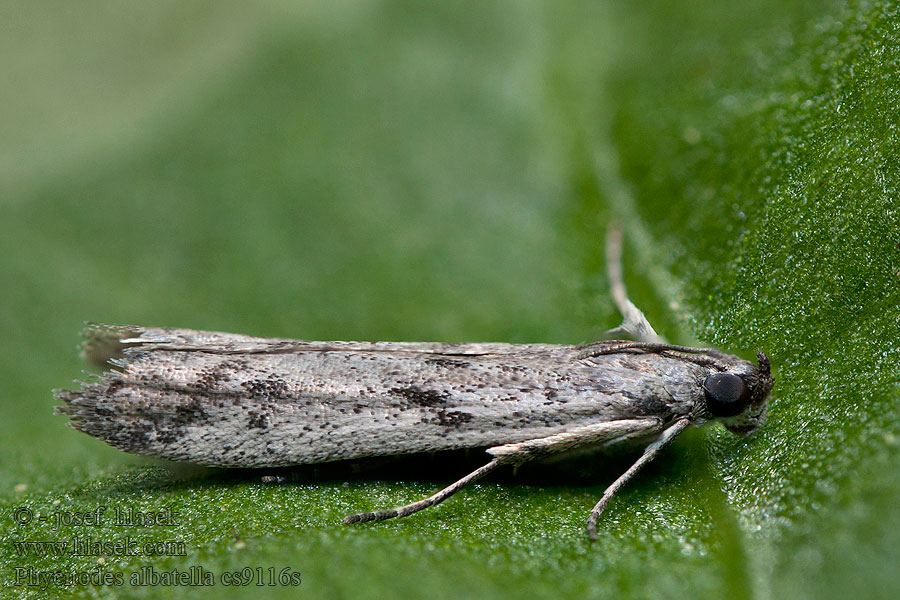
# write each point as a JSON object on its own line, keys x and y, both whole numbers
{"x": 432, "y": 171}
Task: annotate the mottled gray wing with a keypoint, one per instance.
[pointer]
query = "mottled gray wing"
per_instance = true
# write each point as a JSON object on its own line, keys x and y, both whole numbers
{"x": 231, "y": 400}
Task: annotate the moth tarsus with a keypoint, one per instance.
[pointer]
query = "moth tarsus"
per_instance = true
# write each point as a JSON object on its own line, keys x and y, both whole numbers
{"x": 238, "y": 401}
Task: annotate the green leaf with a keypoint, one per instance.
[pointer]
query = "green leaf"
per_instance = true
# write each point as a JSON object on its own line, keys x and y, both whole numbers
{"x": 407, "y": 171}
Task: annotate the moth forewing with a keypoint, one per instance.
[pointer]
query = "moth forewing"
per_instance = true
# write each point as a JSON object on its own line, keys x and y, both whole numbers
{"x": 228, "y": 400}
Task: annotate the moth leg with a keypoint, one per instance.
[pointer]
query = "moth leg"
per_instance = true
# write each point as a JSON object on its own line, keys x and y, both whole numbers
{"x": 649, "y": 454}
{"x": 414, "y": 507}
{"x": 519, "y": 452}
{"x": 633, "y": 320}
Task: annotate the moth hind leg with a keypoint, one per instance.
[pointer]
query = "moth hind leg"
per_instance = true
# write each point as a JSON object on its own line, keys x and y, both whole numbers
{"x": 437, "y": 498}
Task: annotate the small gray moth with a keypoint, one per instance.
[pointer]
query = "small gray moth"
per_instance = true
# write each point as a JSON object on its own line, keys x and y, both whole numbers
{"x": 231, "y": 400}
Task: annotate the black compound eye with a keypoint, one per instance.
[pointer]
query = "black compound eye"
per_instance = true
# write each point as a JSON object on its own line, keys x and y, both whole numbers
{"x": 726, "y": 394}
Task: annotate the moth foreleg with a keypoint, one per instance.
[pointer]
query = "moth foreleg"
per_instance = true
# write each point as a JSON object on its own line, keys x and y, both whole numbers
{"x": 649, "y": 454}
{"x": 633, "y": 320}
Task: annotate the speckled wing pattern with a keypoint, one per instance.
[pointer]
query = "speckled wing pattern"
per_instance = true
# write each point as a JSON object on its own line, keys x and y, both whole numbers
{"x": 240, "y": 401}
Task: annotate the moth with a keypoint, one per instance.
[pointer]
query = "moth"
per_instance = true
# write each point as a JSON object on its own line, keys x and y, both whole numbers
{"x": 232, "y": 400}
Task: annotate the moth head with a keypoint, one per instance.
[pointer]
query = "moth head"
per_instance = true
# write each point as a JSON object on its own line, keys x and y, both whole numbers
{"x": 739, "y": 395}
